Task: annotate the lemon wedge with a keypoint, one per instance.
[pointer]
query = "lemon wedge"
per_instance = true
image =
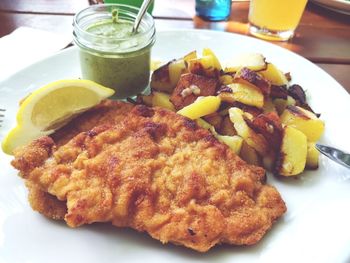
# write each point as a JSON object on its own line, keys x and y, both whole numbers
{"x": 50, "y": 107}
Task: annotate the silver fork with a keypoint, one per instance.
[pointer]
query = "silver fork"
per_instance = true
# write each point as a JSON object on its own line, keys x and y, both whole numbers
{"x": 334, "y": 154}
{"x": 1, "y": 115}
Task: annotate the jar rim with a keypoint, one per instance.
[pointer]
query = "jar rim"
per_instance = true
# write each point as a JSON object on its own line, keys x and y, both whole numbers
{"x": 112, "y": 44}
{"x": 126, "y": 7}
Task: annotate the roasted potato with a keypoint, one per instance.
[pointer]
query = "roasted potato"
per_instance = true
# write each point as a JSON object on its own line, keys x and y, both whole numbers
{"x": 189, "y": 56}
{"x": 208, "y": 65}
{"x": 247, "y": 94}
{"x": 269, "y": 125}
{"x": 291, "y": 159}
{"x": 269, "y": 106}
{"x": 161, "y": 99}
{"x": 226, "y": 79}
{"x": 201, "y": 107}
{"x": 227, "y": 127}
{"x": 249, "y": 155}
{"x": 253, "y": 61}
{"x": 269, "y": 161}
{"x": 255, "y": 140}
{"x": 281, "y": 104}
{"x": 303, "y": 120}
{"x": 250, "y": 77}
{"x": 214, "y": 119}
{"x": 166, "y": 77}
{"x": 274, "y": 75}
{"x": 312, "y": 156}
{"x": 190, "y": 87}
{"x": 234, "y": 142}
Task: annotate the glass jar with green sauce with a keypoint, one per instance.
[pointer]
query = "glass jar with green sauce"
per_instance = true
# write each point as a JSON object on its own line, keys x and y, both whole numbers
{"x": 109, "y": 53}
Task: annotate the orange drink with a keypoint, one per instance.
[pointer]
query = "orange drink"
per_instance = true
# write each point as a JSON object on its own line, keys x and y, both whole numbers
{"x": 275, "y": 19}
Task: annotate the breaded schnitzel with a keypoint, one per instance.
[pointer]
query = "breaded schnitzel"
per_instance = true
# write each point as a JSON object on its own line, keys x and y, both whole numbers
{"x": 158, "y": 172}
{"x": 108, "y": 112}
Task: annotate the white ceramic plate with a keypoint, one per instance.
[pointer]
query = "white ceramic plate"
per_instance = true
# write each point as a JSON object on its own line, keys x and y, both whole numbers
{"x": 340, "y": 6}
{"x": 316, "y": 227}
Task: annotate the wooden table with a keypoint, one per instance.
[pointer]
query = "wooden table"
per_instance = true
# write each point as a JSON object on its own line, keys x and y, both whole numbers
{"x": 323, "y": 36}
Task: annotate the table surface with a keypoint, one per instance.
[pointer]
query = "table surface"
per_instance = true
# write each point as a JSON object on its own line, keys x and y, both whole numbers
{"x": 323, "y": 36}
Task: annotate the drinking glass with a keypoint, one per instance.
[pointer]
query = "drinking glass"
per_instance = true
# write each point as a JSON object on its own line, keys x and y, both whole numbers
{"x": 213, "y": 10}
{"x": 275, "y": 19}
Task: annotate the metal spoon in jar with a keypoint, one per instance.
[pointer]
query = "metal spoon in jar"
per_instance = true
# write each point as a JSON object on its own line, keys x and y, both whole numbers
{"x": 140, "y": 14}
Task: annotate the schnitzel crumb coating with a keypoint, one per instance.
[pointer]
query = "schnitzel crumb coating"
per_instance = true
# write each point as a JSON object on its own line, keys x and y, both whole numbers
{"x": 156, "y": 172}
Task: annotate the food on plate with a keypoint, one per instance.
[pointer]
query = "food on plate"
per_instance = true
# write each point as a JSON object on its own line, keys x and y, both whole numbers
{"x": 256, "y": 102}
{"x": 303, "y": 120}
{"x": 253, "y": 61}
{"x": 190, "y": 87}
{"x": 312, "y": 156}
{"x": 292, "y": 157}
{"x": 201, "y": 107}
{"x": 154, "y": 171}
{"x": 246, "y": 94}
{"x": 108, "y": 112}
{"x": 274, "y": 75}
{"x": 50, "y": 107}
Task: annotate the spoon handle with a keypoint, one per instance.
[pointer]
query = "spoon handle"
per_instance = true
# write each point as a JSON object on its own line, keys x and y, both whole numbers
{"x": 335, "y": 154}
{"x": 140, "y": 14}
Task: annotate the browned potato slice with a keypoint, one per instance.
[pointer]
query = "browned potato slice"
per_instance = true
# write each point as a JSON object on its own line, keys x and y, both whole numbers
{"x": 291, "y": 159}
{"x": 191, "y": 55}
{"x": 303, "y": 120}
{"x": 274, "y": 75}
{"x": 312, "y": 156}
{"x": 161, "y": 99}
{"x": 210, "y": 60}
{"x": 280, "y": 92}
{"x": 214, "y": 119}
{"x": 269, "y": 161}
{"x": 250, "y": 77}
{"x": 155, "y": 64}
{"x": 226, "y": 79}
{"x": 269, "y": 106}
{"x": 249, "y": 155}
{"x": 281, "y": 104}
{"x": 297, "y": 92}
{"x": 160, "y": 79}
{"x": 227, "y": 96}
{"x": 176, "y": 69}
{"x": 190, "y": 87}
{"x": 269, "y": 125}
{"x": 255, "y": 140}
{"x": 253, "y": 61}
{"x": 145, "y": 99}
{"x": 205, "y": 125}
{"x": 166, "y": 77}
{"x": 208, "y": 65}
{"x": 227, "y": 127}
{"x": 234, "y": 142}
{"x": 201, "y": 107}
{"x": 247, "y": 94}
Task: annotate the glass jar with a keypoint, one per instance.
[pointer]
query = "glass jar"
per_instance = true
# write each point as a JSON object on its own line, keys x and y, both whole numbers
{"x": 109, "y": 53}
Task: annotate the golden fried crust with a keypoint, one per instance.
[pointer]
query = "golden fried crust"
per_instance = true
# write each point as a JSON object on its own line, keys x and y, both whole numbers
{"x": 45, "y": 203}
{"x": 108, "y": 112}
{"x": 157, "y": 172}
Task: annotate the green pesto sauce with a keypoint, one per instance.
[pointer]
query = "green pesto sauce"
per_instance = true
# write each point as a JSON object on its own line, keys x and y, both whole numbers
{"x": 109, "y": 28}
{"x": 127, "y": 74}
